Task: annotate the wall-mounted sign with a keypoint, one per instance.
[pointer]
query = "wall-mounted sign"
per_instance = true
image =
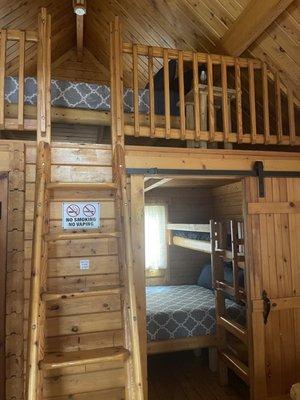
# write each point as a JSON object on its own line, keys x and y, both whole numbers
{"x": 81, "y": 215}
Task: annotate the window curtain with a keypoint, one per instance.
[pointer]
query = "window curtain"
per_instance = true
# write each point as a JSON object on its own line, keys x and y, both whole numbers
{"x": 155, "y": 237}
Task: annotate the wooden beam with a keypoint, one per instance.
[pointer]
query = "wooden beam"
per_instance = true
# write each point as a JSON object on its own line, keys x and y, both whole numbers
{"x": 252, "y": 22}
{"x": 79, "y": 33}
{"x": 154, "y": 185}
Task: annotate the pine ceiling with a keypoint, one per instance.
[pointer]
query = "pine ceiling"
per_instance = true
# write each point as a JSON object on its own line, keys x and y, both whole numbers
{"x": 184, "y": 24}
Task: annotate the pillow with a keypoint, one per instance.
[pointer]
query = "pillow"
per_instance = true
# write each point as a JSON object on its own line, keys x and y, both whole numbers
{"x": 205, "y": 277}
{"x": 228, "y": 274}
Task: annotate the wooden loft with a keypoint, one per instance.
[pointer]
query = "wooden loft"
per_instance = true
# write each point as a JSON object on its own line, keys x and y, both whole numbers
{"x": 244, "y": 100}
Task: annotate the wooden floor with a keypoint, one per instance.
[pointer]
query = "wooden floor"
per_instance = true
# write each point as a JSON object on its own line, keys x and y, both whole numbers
{"x": 182, "y": 376}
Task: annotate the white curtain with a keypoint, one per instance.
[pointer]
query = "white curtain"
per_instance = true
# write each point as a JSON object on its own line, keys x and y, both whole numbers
{"x": 155, "y": 237}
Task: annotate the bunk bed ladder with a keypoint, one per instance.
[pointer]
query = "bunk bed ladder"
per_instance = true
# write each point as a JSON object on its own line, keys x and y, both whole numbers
{"x": 232, "y": 336}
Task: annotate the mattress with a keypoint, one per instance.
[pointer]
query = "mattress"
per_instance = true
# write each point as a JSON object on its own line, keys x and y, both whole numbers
{"x": 74, "y": 95}
{"x": 175, "y": 312}
{"x": 192, "y": 235}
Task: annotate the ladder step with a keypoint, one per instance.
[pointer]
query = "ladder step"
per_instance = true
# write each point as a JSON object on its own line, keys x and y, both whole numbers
{"x": 236, "y": 365}
{"x": 234, "y": 328}
{"x": 228, "y": 289}
{"x": 97, "y": 291}
{"x": 74, "y": 358}
{"x": 52, "y": 237}
{"x": 82, "y": 186}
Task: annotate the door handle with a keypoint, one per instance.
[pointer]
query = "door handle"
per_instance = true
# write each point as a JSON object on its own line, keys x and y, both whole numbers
{"x": 267, "y": 306}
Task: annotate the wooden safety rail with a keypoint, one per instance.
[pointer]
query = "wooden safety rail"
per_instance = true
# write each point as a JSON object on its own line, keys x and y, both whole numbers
{"x": 30, "y": 43}
{"x": 218, "y": 98}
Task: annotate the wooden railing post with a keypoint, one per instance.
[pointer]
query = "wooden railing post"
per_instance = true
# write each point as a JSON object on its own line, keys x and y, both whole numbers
{"x": 2, "y": 75}
{"x": 116, "y": 90}
{"x": 44, "y": 77}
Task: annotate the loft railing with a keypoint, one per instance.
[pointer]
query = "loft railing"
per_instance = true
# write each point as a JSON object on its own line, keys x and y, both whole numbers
{"x": 17, "y": 49}
{"x": 235, "y": 100}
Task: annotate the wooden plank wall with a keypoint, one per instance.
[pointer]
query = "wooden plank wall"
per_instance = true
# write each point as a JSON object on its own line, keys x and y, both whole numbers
{"x": 12, "y": 160}
{"x": 184, "y": 206}
{"x": 228, "y": 201}
{"x": 86, "y": 323}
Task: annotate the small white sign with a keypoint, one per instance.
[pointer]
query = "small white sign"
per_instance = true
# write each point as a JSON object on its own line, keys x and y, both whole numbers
{"x": 81, "y": 215}
{"x": 84, "y": 264}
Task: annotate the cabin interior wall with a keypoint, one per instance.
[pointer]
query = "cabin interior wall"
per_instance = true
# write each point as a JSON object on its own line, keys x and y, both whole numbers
{"x": 228, "y": 201}
{"x": 185, "y": 205}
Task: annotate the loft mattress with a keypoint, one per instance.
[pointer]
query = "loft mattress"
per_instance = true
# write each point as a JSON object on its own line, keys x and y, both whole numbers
{"x": 74, "y": 95}
{"x": 175, "y": 312}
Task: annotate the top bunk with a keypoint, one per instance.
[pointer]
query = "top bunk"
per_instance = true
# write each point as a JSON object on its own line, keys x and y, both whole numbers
{"x": 191, "y": 236}
{"x": 223, "y": 237}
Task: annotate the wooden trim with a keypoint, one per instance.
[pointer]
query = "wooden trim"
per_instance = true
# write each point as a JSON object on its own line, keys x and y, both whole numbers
{"x": 190, "y": 343}
{"x": 3, "y": 276}
{"x": 210, "y": 99}
{"x": 277, "y": 304}
{"x": 225, "y": 110}
{"x": 291, "y": 115}
{"x": 44, "y": 78}
{"x": 135, "y": 71}
{"x": 188, "y": 55}
{"x": 252, "y": 102}
{"x": 198, "y": 245}
{"x": 167, "y": 93}
{"x": 35, "y": 342}
{"x": 14, "y": 34}
{"x": 284, "y": 207}
{"x": 2, "y": 76}
{"x": 21, "y": 82}
{"x": 189, "y": 227}
{"x": 234, "y": 328}
{"x": 266, "y": 115}
{"x": 278, "y": 107}
{"x": 236, "y": 365}
{"x": 196, "y": 97}
{"x": 205, "y": 136}
{"x": 139, "y": 274}
{"x": 157, "y": 184}
{"x": 181, "y": 93}
{"x": 79, "y": 36}
{"x": 151, "y": 92}
{"x": 239, "y": 110}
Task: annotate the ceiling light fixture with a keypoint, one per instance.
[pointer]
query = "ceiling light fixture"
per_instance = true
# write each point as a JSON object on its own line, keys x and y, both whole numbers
{"x": 79, "y": 7}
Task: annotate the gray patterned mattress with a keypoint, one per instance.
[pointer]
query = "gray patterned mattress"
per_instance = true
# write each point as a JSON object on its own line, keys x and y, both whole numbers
{"x": 181, "y": 311}
{"x": 75, "y": 95}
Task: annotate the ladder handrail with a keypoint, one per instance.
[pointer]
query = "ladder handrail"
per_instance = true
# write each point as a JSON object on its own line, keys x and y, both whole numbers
{"x": 136, "y": 392}
{"x": 39, "y": 260}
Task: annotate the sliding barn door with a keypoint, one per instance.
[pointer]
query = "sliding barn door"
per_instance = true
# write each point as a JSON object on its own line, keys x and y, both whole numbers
{"x": 273, "y": 261}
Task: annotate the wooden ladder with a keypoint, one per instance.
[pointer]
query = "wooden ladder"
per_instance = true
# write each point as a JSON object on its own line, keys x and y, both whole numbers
{"x": 233, "y": 340}
{"x": 38, "y": 360}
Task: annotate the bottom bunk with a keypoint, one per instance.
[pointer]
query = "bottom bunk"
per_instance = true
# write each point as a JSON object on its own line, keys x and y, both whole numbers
{"x": 184, "y": 317}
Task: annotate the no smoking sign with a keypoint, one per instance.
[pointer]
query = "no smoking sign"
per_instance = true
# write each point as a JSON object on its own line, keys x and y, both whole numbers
{"x": 81, "y": 215}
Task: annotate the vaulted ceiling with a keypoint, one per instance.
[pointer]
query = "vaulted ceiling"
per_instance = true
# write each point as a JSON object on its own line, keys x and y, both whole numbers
{"x": 184, "y": 24}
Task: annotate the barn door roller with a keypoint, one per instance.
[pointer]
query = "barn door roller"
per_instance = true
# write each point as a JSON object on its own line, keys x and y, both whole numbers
{"x": 258, "y": 168}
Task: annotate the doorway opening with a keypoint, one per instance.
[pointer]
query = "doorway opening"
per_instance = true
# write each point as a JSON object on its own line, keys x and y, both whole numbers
{"x": 195, "y": 287}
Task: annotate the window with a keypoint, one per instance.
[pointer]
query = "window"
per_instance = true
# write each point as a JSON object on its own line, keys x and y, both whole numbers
{"x": 155, "y": 237}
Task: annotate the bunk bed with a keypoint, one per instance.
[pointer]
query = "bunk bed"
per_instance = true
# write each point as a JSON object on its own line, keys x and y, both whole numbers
{"x": 186, "y": 317}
